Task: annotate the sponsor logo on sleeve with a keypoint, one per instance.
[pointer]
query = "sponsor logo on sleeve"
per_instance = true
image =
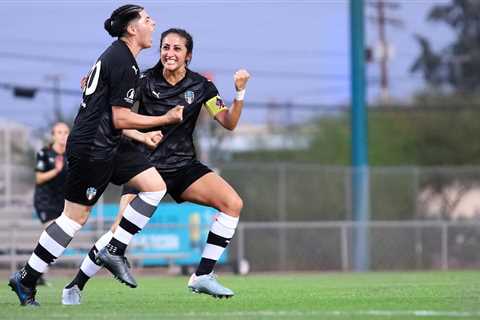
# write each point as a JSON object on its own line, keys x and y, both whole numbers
{"x": 130, "y": 96}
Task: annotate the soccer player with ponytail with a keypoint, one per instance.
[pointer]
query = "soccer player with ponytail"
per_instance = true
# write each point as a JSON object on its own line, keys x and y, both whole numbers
{"x": 170, "y": 82}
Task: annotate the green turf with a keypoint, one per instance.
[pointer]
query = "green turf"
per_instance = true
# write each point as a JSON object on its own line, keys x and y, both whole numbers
{"x": 429, "y": 295}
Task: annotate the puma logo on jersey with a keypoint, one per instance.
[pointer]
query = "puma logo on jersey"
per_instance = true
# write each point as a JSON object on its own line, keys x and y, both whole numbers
{"x": 135, "y": 69}
{"x": 156, "y": 94}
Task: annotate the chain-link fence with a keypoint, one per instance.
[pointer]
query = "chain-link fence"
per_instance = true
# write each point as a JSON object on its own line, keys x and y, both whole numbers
{"x": 297, "y": 216}
{"x": 306, "y": 192}
{"x": 394, "y": 245}
{"x": 286, "y": 246}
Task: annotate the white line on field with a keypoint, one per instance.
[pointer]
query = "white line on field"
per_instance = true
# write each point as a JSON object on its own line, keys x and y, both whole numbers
{"x": 298, "y": 313}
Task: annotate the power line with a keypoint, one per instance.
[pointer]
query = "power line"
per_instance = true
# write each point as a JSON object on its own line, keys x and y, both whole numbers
{"x": 54, "y": 90}
{"x": 330, "y": 54}
{"x": 43, "y": 58}
{"x": 262, "y": 73}
{"x": 77, "y": 93}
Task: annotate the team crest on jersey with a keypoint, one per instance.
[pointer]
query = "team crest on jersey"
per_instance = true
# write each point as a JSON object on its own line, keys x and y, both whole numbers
{"x": 189, "y": 96}
{"x": 130, "y": 96}
{"x": 91, "y": 193}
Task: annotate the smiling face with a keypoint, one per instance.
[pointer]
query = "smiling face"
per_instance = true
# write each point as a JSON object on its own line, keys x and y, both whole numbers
{"x": 143, "y": 28}
{"x": 173, "y": 52}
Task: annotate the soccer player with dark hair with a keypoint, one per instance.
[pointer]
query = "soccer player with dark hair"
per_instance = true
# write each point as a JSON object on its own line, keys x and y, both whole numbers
{"x": 96, "y": 157}
{"x": 165, "y": 85}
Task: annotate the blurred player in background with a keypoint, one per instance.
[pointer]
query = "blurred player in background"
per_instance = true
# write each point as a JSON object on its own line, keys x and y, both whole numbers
{"x": 50, "y": 175}
{"x": 165, "y": 85}
{"x": 96, "y": 157}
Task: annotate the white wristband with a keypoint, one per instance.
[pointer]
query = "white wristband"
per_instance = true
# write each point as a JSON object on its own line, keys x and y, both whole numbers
{"x": 240, "y": 95}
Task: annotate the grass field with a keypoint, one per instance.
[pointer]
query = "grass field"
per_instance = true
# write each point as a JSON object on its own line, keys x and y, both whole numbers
{"x": 429, "y": 295}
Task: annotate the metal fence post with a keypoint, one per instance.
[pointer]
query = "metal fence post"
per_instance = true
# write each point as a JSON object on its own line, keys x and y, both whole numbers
{"x": 8, "y": 167}
{"x": 344, "y": 246}
{"x": 418, "y": 247}
{"x": 241, "y": 244}
{"x": 13, "y": 250}
{"x": 348, "y": 194}
{"x": 444, "y": 246}
{"x": 282, "y": 212}
{"x": 415, "y": 189}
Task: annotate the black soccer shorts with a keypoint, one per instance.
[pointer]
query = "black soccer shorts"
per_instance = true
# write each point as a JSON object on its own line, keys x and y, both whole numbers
{"x": 87, "y": 179}
{"x": 177, "y": 181}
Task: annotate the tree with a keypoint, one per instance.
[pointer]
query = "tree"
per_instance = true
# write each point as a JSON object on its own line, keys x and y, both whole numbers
{"x": 456, "y": 66}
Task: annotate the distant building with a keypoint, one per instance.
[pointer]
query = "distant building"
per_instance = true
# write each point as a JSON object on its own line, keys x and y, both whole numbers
{"x": 455, "y": 202}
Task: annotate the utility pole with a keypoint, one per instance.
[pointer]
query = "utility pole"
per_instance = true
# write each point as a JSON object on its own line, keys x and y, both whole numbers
{"x": 57, "y": 103}
{"x": 384, "y": 50}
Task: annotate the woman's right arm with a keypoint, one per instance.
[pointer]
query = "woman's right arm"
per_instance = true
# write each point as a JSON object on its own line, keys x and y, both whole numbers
{"x": 124, "y": 118}
{"x": 42, "y": 177}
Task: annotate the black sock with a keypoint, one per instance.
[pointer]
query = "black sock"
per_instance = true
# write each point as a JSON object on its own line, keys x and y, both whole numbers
{"x": 116, "y": 247}
{"x": 80, "y": 280}
{"x": 29, "y": 276}
{"x": 205, "y": 267}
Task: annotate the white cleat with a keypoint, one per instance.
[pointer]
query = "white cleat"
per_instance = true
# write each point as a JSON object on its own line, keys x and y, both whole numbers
{"x": 71, "y": 295}
{"x": 208, "y": 284}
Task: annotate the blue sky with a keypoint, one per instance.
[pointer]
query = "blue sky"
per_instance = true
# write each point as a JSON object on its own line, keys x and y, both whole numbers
{"x": 297, "y": 51}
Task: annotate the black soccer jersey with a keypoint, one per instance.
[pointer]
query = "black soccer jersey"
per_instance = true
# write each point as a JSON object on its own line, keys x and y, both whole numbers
{"x": 111, "y": 82}
{"x": 49, "y": 196}
{"x": 157, "y": 96}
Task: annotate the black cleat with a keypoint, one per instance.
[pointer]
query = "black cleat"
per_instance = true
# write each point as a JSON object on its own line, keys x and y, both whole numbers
{"x": 117, "y": 265}
{"x": 25, "y": 295}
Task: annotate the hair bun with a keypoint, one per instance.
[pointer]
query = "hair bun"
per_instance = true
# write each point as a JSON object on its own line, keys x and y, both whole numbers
{"x": 110, "y": 26}
{"x": 120, "y": 17}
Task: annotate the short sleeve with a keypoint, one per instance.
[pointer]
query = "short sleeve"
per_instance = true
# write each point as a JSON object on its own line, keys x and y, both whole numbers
{"x": 123, "y": 85}
{"x": 41, "y": 161}
{"x": 213, "y": 102}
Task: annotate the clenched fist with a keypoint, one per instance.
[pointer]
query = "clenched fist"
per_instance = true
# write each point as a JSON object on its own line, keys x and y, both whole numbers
{"x": 153, "y": 138}
{"x": 241, "y": 78}
{"x": 175, "y": 115}
{"x": 59, "y": 163}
